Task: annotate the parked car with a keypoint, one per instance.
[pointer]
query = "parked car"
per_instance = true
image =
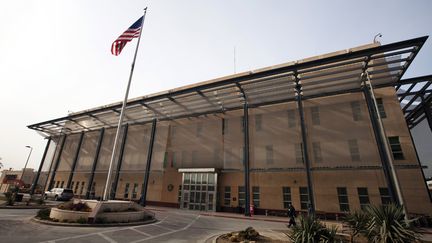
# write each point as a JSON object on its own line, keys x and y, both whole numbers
{"x": 59, "y": 194}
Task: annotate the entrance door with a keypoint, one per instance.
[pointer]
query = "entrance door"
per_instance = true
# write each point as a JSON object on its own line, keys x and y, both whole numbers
{"x": 199, "y": 191}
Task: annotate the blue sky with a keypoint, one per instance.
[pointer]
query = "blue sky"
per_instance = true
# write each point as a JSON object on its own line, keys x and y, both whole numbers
{"x": 55, "y": 55}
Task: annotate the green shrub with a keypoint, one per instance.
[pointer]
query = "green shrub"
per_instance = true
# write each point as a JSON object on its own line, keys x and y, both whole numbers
{"x": 44, "y": 213}
{"x": 387, "y": 224}
{"x": 357, "y": 222}
{"x": 80, "y": 207}
{"x": 10, "y": 198}
{"x": 82, "y": 220}
{"x": 310, "y": 229}
{"x": 101, "y": 220}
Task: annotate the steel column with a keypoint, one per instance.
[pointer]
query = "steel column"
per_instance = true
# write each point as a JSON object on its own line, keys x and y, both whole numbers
{"x": 246, "y": 157}
{"x": 143, "y": 200}
{"x": 119, "y": 163}
{"x": 311, "y": 206}
{"x": 380, "y": 143}
{"x": 68, "y": 185}
{"x": 57, "y": 162}
{"x": 428, "y": 113}
{"x": 98, "y": 148}
{"x": 33, "y": 187}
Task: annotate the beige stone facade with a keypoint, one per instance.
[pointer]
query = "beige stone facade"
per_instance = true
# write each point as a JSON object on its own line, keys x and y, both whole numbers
{"x": 346, "y": 166}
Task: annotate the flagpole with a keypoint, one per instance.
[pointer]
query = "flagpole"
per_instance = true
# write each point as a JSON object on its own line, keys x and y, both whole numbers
{"x": 107, "y": 185}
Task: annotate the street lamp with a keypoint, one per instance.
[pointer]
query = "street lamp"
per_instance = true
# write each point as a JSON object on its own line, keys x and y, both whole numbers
{"x": 25, "y": 166}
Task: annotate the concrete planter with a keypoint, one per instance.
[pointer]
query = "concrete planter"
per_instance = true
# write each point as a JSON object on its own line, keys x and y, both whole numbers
{"x": 123, "y": 217}
{"x": 106, "y": 211}
{"x": 67, "y": 215}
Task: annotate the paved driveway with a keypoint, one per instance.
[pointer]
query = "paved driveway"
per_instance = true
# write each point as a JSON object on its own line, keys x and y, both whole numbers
{"x": 173, "y": 226}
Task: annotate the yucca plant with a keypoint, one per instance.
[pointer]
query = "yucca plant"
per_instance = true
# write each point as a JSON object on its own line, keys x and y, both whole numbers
{"x": 387, "y": 224}
{"x": 310, "y": 230}
{"x": 357, "y": 222}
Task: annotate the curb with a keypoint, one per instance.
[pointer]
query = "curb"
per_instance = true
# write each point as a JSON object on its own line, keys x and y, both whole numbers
{"x": 27, "y": 207}
{"x": 250, "y": 218}
{"x": 91, "y": 225}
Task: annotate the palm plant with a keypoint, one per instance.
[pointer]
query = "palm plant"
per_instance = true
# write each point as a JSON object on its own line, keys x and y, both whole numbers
{"x": 357, "y": 222}
{"x": 387, "y": 224}
{"x": 310, "y": 230}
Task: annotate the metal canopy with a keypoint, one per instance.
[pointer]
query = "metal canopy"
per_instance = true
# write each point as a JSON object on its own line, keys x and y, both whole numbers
{"x": 325, "y": 75}
{"x": 415, "y": 96}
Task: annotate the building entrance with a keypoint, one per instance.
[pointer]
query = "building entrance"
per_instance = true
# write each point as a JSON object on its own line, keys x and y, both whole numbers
{"x": 199, "y": 188}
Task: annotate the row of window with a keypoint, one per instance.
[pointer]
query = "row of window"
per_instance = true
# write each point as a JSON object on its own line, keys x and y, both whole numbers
{"x": 342, "y": 193}
{"x": 298, "y": 149}
{"x": 314, "y": 112}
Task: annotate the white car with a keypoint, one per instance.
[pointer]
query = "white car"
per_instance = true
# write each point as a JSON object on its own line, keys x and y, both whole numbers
{"x": 59, "y": 194}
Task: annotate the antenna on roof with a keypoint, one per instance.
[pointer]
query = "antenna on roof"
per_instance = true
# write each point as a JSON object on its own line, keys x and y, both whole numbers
{"x": 235, "y": 60}
{"x": 376, "y": 36}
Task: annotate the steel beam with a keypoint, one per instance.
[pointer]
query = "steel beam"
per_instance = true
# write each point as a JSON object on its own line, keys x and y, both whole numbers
{"x": 57, "y": 162}
{"x": 380, "y": 143}
{"x": 119, "y": 163}
{"x": 33, "y": 187}
{"x": 246, "y": 157}
{"x": 68, "y": 185}
{"x": 98, "y": 149}
{"x": 311, "y": 206}
{"x": 143, "y": 199}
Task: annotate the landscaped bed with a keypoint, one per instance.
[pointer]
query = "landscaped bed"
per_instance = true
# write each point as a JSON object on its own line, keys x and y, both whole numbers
{"x": 96, "y": 213}
{"x": 247, "y": 235}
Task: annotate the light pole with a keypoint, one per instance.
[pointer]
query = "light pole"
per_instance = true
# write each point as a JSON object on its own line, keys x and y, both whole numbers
{"x": 25, "y": 166}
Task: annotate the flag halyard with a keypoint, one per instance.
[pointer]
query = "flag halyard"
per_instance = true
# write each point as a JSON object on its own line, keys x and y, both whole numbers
{"x": 132, "y": 32}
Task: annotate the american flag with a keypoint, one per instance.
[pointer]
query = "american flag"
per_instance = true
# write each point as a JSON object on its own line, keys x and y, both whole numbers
{"x": 132, "y": 32}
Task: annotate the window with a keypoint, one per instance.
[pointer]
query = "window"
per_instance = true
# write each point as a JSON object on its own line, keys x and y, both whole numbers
{"x": 179, "y": 193}
{"x": 165, "y": 160}
{"x": 269, "y": 154}
{"x": 183, "y": 154}
{"x": 363, "y": 197}
{"x": 126, "y": 191}
{"x": 173, "y": 160}
{"x": 173, "y": 131}
{"x": 82, "y": 187}
{"x": 299, "y": 153}
{"x": 62, "y": 184}
{"x": 315, "y": 115}
{"x": 76, "y": 187}
{"x": 354, "y": 150}
{"x": 396, "y": 148}
{"x": 57, "y": 184}
{"x": 92, "y": 190}
{"x": 343, "y": 199}
{"x": 381, "y": 110}
{"x": 291, "y": 118}
{"x": 72, "y": 184}
{"x": 241, "y": 196}
{"x": 356, "y": 110}
{"x": 256, "y": 196}
{"x": 135, "y": 190}
{"x": 227, "y": 196}
{"x": 385, "y": 195}
{"x": 242, "y": 121}
{"x": 304, "y": 198}
{"x": 224, "y": 125}
{"x": 286, "y": 193}
{"x": 258, "y": 122}
{"x": 199, "y": 129}
{"x": 194, "y": 157}
{"x": 316, "y": 147}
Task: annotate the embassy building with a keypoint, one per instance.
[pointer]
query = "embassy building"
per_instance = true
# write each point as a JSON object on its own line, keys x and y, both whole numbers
{"x": 329, "y": 133}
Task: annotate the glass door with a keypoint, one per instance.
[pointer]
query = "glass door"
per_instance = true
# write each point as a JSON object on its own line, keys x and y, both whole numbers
{"x": 198, "y": 191}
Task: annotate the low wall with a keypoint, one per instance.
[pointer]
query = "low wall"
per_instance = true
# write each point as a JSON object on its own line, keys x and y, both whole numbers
{"x": 63, "y": 215}
{"x": 109, "y": 211}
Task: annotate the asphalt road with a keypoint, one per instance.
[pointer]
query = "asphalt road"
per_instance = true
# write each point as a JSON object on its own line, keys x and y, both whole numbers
{"x": 172, "y": 226}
